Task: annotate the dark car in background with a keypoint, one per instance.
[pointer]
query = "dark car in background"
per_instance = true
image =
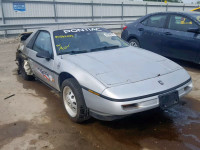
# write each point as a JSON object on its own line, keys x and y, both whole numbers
{"x": 171, "y": 34}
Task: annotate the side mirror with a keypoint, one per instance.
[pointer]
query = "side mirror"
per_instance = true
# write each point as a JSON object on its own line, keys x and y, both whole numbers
{"x": 44, "y": 54}
{"x": 194, "y": 30}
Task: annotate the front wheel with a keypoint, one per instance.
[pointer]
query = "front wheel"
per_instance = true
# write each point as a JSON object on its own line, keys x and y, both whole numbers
{"x": 134, "y": 43}
{"x": 73, "y": 101}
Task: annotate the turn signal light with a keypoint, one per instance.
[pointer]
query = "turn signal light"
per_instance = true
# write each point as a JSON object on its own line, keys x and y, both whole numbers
{"x": 94, "y": 92}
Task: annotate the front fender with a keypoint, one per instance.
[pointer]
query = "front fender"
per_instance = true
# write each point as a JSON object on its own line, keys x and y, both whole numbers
{"x": 83, "y": 77}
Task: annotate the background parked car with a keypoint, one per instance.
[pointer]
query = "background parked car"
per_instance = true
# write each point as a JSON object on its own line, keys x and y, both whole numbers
{"x": 172, "y": 34}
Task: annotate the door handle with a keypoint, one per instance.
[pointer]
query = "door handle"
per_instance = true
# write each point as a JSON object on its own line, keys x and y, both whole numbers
{"x": 168, "y": 33}
{"x": 141, "y": 29}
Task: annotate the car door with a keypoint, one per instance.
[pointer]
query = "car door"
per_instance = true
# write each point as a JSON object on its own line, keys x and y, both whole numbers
{"x": 151, "y": 30}
{"x": 177, "y": 41}
{"x": 42, "y": 68}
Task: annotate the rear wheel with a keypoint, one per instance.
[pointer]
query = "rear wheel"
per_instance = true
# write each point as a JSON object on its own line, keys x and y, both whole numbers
{"x": 73, "y": 101}
{"x": 134, "y": 43}
{"x": 22, "y": 71}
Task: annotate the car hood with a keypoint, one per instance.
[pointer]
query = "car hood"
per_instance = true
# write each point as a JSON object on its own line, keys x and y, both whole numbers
{"x": 123, "y": 65}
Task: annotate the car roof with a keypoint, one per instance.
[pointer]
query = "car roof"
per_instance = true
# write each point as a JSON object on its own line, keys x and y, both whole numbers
{"x": 171, "y": 12}
{"x": 188, "y": 14}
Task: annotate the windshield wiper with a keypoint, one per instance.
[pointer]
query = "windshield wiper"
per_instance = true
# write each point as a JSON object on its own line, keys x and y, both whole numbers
{"x": 104, "y": 48}
{"x": 77, "y": 52}
{"x": 92, "y": 50}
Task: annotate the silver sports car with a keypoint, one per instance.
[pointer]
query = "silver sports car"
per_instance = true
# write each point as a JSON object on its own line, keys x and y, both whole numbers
{"x": 100, "y": 75}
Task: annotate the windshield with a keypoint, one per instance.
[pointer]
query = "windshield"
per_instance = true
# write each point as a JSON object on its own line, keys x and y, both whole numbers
{"x": 73, "y": 41}
{"x": 197, "y": 17}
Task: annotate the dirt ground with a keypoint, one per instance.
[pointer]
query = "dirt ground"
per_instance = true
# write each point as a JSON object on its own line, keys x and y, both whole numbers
{"x": 33, "y": 118}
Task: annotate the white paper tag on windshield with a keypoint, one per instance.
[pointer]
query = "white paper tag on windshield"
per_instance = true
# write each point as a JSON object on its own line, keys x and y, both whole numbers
{"x": 198, "y": 18}
{"x": 110, "y": 34}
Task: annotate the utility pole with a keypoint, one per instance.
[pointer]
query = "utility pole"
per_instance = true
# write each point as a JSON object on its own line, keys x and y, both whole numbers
{"x": 101, "y": 10}
{"x": 2, "y": 12}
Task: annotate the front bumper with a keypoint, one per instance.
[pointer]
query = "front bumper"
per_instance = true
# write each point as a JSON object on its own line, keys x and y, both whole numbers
{"x": 105, "y": 109}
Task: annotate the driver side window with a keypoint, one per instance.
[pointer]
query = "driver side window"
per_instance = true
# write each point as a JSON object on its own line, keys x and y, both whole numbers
{"x": 180, "y": 23}
{"x": 43, "y": 43}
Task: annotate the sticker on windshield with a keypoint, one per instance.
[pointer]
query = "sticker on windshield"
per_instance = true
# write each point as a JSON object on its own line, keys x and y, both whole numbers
{"x": 110, "y": 34}
{"x": 64, "y": 36}
{"x": 82, "y": 30}
{"x": 62, "y": 47}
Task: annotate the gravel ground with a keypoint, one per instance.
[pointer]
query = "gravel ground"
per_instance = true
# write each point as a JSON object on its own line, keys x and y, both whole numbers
{"x": 9, "y": 40}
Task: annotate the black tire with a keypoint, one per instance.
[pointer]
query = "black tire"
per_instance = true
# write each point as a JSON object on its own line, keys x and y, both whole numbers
{"x": 22, "y": 71}
{"x": 82, "y": 110}
{"x": 134, "y": 42}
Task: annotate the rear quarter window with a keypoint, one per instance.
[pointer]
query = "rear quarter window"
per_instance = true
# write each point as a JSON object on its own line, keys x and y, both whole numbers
{"x": 25, "y": 36}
